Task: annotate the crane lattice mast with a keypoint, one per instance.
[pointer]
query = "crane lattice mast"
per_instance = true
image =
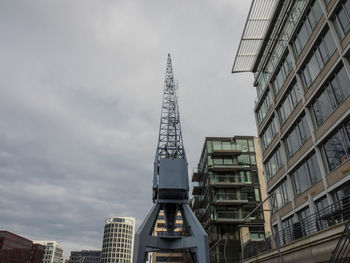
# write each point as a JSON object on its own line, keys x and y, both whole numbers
{"x": 170, "y": 144}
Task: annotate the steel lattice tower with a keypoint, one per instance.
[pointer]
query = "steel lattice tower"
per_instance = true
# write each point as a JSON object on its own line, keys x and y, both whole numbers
{"x": 170, "y": 188}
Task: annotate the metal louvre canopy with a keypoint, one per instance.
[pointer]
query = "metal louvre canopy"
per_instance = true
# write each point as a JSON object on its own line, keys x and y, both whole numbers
{"x": 256, "y": 26}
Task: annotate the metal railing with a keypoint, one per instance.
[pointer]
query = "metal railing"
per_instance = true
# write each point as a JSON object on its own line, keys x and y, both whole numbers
{"x": 341, "y": 252}
{"x": 329, "y": 216}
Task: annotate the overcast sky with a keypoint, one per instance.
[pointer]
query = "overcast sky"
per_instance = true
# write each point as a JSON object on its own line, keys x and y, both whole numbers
{"x": 80, "y": 94}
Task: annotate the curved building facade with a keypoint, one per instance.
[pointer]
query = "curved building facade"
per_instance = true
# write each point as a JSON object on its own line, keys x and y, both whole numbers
{"x": 118, "y": 240}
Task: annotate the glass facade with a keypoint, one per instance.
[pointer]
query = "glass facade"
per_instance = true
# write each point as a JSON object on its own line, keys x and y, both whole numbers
{"x": 306, "y": 174}
{"x": 273, "y": 163}
{"x": 318, "y": 58}
{"x": 264, "y": 107}
{"x": 269, "y": 133}
{"x": 342, "y": 18}
{"x": 282, "y": 74}
{"x": 297, "y": 136}
{"x": 289, "y": 102}
{"x": 336, "y": 149}
{"x": 333, "y": 94}
{"x": 312, "y": 108}
{"x": 303, "y": 34}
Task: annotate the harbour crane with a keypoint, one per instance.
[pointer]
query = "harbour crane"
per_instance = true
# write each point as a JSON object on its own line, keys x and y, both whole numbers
{"x": 170, "y": 189}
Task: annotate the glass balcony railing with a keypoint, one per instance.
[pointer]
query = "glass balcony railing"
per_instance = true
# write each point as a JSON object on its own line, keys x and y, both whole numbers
{"x": 231, "y": 197}
{"x": 224, "y": 179}
{"x": 227, "y": 147}
{"x": 230, "y": 215}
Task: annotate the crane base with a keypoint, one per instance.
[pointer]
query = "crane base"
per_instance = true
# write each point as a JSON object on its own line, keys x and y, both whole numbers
{"x": 195, "y": 241}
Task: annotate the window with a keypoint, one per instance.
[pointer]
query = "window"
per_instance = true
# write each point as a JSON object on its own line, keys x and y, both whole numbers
{"x": 342, "y": 18}
{"x": 336, "y": 149}
{"x": 281, "y": 196}
{"x": 282, "y": 74}
{"x": 273, "y": 163}
{"x": 289, "y": 102}
{"x": 313, "y": 15}
{"x": 297, "y": 136}
{"x": 287, "y": 230}
{"x": 261, "y": 82}
{"x": 306, "y": 175}
{"x": 242, "y": 145}
{"x": 269, "y": 133}
{"x": 334, "y": 93}
{"x": 303, "y": 218}
{"x": 319, "y": 57}
{"x": 243, "y": 159}
{"x": 251, "y": 146}
{"x": 264, "y": 107}
{"x": 321, "y": 210}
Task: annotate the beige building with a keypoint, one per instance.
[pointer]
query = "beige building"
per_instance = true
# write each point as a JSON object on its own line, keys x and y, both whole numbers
{"x": 118, "y": 240}
{"x": 299, "y": 54}
{"x": 158, "y": 257}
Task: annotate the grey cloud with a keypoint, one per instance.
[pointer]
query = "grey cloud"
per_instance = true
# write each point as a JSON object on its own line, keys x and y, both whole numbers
{"x": 80, "y": 105}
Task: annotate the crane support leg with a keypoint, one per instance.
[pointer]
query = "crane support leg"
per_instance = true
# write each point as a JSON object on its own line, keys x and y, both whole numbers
{"x": 144, "y": 235}
{"x": 198, "y": 242}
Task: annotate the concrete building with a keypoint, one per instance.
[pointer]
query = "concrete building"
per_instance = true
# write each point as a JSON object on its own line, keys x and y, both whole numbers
{"x": 226, "y": 189}
{"x": 53, "y": 251}
{"x": 85, "y": 256}
{"x": 299, "y": 54}
{"x": 118, "y": 240}
{"x": 158, "y": 257}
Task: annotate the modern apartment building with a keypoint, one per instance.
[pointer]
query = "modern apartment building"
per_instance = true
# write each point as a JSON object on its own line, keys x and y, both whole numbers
{"x": 299, "y": 54}
{"x": 226, "y": 189}
{"x": 53, "y": 251}
{"x": 118, "y": 240}
{"x": 85, "y": 256}
{"x": 164, "y": 256}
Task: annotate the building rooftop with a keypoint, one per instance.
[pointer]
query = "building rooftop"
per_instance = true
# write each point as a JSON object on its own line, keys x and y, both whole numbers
{"x": 259, "y": 18}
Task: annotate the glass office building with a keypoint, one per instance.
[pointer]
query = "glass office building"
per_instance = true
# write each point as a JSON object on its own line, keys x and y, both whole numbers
{"x": 299, "y": 54}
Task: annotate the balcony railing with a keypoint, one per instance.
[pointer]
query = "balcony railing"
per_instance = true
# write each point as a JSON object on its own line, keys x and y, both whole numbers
{"x": 329, "y": 216}
{"x": 224, "y": 179}
{"x": 230, "y": 215}
{"x": 230, "y": 197}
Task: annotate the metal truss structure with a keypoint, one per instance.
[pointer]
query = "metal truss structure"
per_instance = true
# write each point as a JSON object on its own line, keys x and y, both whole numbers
{"x": 170, "y": 189}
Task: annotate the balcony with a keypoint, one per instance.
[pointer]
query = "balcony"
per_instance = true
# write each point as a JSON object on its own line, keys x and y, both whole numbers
{"x": 230, "y": 181}
{"x": 197, "y": 188}
{"x": 226, "y": 150}
{"x": 196, "y": 175}
{"x": 229, "y": 167}
{"x": 230, "y": 216}
{"x": 230, "y": 198}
